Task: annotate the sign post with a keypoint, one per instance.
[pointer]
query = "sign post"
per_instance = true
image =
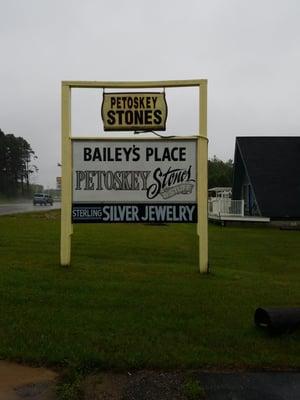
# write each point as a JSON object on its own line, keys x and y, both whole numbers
{"x": 66, "y": 179}
{"x": 129, "y": 180}
{"x": 202, "y": 158}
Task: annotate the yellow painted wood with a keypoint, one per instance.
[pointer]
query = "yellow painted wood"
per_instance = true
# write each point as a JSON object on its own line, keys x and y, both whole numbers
{"x": 134, "y": 84}
{"x": 133, "y": 138}
{"x": 202, "y": 159}
{"x": 66, "y": 182}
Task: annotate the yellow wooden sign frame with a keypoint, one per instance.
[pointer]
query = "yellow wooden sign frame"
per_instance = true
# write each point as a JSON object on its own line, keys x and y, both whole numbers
{"x": 202, "y": 157}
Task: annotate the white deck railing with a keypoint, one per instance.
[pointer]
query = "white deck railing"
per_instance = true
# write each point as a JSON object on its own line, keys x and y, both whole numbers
{"x": 225, "y": 207}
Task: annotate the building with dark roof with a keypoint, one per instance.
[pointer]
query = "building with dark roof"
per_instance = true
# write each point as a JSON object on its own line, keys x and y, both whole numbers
{"x": 267, "y": 176}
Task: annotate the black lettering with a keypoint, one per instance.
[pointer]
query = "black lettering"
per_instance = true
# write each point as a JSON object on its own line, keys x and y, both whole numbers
{"x": 89, "y": 185}
{"x": 125, "y": 175}
{"x": 166, "y": 155}
{"x": 129, "y": 117}
{"x": 117, "y": 180}
{"x": 99, "y": 180}
{"x": 127, "y": 152}
{"x": 173, "y": 151}
{"x": 135, "y": 180}
{"x": 109, "y": 156}
{"x": 109, "y": 180}
{"x": 124, "y": 101}
{"x": 142, "y": 105}
{"x": 149, "y": 153}
{"x": 138, "y": 117}
{"x": 129, "y": 102}
{"x": 97, "y": 154}
{"x": 87, "y": 154}
{"x": 136, "y": 153}
{"x": 182, "y": 153}
{"x": 148, "y": 117}
{"x": 155, "y": 188}
{"x": 111, "y": 117}
{"x": 80, "y": 176}
{"x": 157, "y": 117}
{"x": 112, "y": 102}
{"x": 120, "y": 115}
{"x": 118, "y": 154}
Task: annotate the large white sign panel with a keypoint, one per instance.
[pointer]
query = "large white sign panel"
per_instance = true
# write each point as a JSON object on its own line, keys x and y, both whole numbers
{"x": 134, "y": 181}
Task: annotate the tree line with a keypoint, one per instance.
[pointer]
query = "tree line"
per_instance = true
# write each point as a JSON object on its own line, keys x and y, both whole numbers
{"x": 220, "y": 173}
{"x": 16, "y": 165}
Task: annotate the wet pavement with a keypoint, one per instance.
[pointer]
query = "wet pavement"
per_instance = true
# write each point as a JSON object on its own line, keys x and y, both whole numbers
{"x": 251, "y": 386}
{"x": 15, "y": 208}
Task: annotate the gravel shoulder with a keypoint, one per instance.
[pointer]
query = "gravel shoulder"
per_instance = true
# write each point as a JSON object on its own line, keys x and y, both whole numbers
{"x": 22, "y": 382}
{"x": 150, "y": 385}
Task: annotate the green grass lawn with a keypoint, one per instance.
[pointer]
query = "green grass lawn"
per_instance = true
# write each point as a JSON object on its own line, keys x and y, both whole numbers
{"x": 134, "y": 298}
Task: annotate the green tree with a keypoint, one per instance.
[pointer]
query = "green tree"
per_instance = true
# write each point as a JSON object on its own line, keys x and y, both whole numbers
{"x": 16, "y": 166}
{"x": 2, "y": 161}
{"x": 220, "y": 173}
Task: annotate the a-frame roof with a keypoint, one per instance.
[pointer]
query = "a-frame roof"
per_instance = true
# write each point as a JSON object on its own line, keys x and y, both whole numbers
{"x": 273, "y": 167}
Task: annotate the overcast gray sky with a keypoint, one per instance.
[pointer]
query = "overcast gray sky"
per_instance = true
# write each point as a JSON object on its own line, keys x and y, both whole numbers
{"x": 248, "y": 50}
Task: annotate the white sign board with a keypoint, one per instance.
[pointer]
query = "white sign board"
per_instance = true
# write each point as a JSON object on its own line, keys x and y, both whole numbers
{"x": 134, "y": 181}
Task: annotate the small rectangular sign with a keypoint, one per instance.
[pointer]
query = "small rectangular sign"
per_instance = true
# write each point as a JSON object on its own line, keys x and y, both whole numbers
{"x": 134, "y": 111}
{"x": 58, "y": 182}
{"x": 134, "y": 181}
{"x": 135, "y": 212}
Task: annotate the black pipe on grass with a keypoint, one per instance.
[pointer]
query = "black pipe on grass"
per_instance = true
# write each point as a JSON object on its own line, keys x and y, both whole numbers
{"x": 277, "y": 319}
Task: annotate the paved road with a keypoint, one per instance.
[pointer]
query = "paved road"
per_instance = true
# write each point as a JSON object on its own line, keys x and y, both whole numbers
{"x": 14, "y": 208}
{"x": 251, "y": 385}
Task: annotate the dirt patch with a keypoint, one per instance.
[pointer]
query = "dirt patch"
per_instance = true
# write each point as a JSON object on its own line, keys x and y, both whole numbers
{"x": 22, "y": 382}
